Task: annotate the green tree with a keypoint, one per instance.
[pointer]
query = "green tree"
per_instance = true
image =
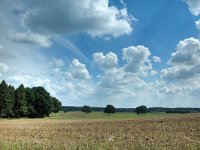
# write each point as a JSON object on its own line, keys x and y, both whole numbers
{"x": 6, "y": 100}
{"x": 55, "y": 105}
{"x": 9, "y": 101}
{"x": 42, "y": 102}
{"x": 109, "y": 109}
{"x": 30, "y": 98}
{"x": 86, "y": 109}
{"x": 3, "y": 93}
{"x": 20, "y": 108}
{"x": 31, "y": 102}
{"x": 141, "y": 109}
{"x": 58, "y": 105}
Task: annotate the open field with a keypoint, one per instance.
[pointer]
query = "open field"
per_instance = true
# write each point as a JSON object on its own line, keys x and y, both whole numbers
{"x": 120, "y": 131}
{"x": 104, "y": 116}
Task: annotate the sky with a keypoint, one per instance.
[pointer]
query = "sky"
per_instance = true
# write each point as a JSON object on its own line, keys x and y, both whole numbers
{"x": 97, "y": 52}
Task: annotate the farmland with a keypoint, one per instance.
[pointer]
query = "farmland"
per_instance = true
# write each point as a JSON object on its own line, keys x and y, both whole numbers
{"x": 99, "y": 131}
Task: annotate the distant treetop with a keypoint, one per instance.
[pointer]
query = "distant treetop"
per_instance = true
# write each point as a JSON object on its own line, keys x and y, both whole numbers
{"x": 86, "y": 109}
{"x": 141, "y": 109}
{"x": 109, "y": 109}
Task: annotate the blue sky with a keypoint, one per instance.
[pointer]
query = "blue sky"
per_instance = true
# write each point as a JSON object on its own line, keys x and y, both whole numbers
{"x": 98, "y": 52}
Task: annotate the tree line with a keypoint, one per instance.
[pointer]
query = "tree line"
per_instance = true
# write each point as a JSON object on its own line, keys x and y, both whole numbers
{"x": 108, "y": 109}
{"x": 111, "y": 109}
{"x": 32, "y": 102}
{"x": 137, "y": 110}
{"x": 95, "y": 109}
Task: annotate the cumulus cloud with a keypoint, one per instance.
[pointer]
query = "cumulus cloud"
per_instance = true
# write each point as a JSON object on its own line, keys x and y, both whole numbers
{"x": 78, "y": 70}
{"x": 116, "y": 77}
{"x": 31, "y": 38}
{"x": 94, "y": 17}
{"x": 121, "y": 79}
{"x": 156, "y": 59}
{"x": 187, "y": 52}
{"x": 57, "y": 67}
{"x": 26, "y": 80}
{"x": 107, "y": 61}
{"x": 194, "y": 6}
{"x": 136, "y": 58}
{"x": 112, "y": 78}
{"x": 32, "y": 80}
{"x": 118, "y": 86}
{"x": 185, "y": 62}
{"x": 123, "y": 84}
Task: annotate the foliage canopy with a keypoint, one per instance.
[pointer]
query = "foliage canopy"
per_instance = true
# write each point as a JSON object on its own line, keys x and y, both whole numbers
{"x": 141, "y": 109}
{"x": 109, "y": 109}
{"x": 26, "y": 102}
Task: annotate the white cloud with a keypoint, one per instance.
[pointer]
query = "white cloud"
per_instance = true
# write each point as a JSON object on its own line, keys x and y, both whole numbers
{"x": 187, "y": 52}
{"x": 33, "y": 80}
{"x": 122, "y": 88}
{"x": 94, "y": 17}
{"x": 78, "y": 70}
{"x": 185, "y": 62}
{"x": 194, "y": 6}
{"x": 197, "y": 23}
{"x": 153, "y": 72}
{"x": 107, "y": 61}
{"x": 31, "y": 38}
{"x": 56, "y": 72}
{"x": 156, "y": 59}
{"x": 121, "y": 85}
{"x": 112, "y": 78}
{"x": 137, "y": 59}
{"x": 57, "y": 62}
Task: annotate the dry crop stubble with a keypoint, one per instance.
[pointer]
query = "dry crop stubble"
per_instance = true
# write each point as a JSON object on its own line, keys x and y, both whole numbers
{"x": 177, "y": 132}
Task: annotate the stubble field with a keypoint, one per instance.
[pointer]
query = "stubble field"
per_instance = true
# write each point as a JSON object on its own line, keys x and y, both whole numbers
{"x": 120, "y": 131}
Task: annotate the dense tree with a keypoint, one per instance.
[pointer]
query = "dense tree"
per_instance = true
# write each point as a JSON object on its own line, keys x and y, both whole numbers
{"x": 109, "y": 109}
{"x": 31, "y": 102}
{"x": 42, "y": 102}
{"x": 3, "y": 93}
{"x": 6, "y": 100}
{"x": 86, "y": 109}
{"x": 55, "y": 105}
{"x": 9, "y": 103}
{"x": 141, "y": 109}
{"x": 30, "y": 98}
{"x": 20, "y": 108}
